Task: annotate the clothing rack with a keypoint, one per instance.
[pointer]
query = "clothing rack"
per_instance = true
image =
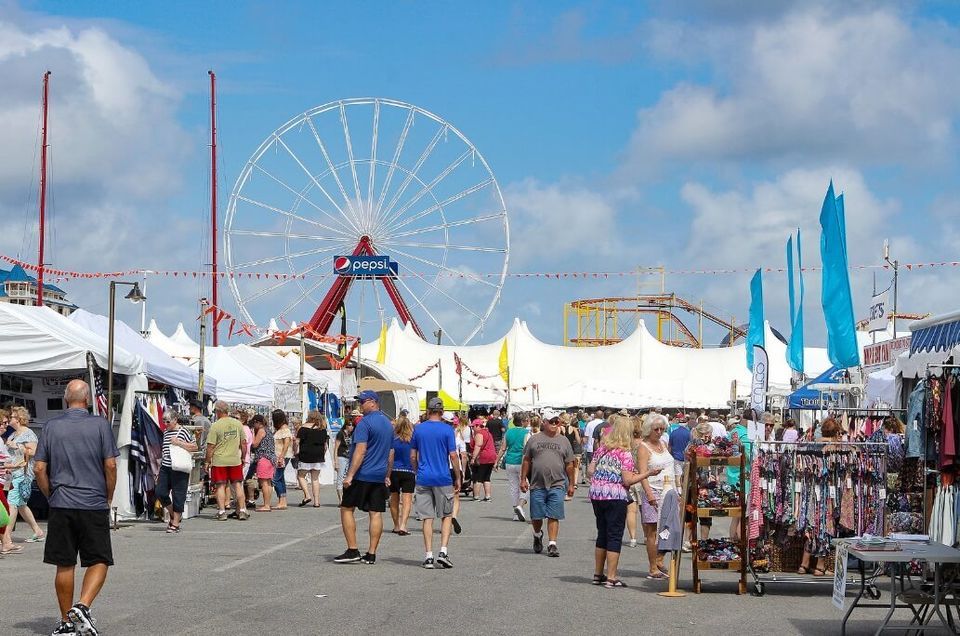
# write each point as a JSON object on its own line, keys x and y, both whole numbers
{"x": 806, "y": 449}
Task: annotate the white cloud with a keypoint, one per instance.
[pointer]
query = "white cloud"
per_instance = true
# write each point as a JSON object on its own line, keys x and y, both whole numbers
{"x": 807, "y": 88}
{"x": 550, "y": 222}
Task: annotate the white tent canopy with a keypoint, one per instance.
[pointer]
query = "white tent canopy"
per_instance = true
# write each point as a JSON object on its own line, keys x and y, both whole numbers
{"x": 173, "y": 348}
{"x": 158, "y": 365}
{"x": 38, "y": 339}
{"x": 639, "y": 371}
{"x": 236, "y": 382}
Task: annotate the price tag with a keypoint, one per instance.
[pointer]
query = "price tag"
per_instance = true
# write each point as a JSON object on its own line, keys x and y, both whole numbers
{"x": 817, "y": 491}
{"x": 763, "y": 483}
{"x": 883, "y": 493}
{"x": 849, "y": 482}
{"x": 796, "y": 487}
{"x": 833, "y": 492}
{"x": 773, "y": 485}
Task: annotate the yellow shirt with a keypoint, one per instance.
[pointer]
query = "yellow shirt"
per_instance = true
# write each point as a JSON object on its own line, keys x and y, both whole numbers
{"x": 226, "y": 435}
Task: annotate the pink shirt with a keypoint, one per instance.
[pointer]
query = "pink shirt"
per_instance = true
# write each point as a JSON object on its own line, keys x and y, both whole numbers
{"x": 607, "y": 481}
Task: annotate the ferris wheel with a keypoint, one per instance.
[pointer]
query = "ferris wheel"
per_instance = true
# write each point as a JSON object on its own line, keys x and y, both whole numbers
{"x": 368, "y": 177}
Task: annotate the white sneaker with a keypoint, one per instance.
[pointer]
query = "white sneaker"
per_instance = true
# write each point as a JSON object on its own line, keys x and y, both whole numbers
{"x": 632, "y": 543}
{"x": 686, "y": 547}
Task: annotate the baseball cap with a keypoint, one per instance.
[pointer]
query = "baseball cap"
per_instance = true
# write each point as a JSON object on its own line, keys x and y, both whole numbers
{"x": 435, "y": 404}
{"x": 447, "y": 415}
{"x": 197, "y": 404}
{"x": 368, "y": 395}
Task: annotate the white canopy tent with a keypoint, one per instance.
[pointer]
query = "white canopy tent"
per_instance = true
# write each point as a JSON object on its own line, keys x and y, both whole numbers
{"x": 173, "y": 348}
{"x": 38, "y": 340}
{"x": 639, "y": 371}
{"x": 236, "y": 381}
{"x": 158, "y": 365}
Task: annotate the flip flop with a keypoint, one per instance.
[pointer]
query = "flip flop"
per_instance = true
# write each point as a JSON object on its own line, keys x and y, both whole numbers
{"x": 403, "y": 533}
{"x": 17, "y": 549}
{"x": 304, "y": 503}
{"x": 659, "y": 576}
{"x": 263, "y": 509}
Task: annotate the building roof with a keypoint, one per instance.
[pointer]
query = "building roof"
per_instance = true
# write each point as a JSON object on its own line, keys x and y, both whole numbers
{"x": 19, "y": 275}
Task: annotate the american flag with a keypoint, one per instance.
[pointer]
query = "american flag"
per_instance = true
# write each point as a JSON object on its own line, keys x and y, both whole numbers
{"x": 99, "y": 397}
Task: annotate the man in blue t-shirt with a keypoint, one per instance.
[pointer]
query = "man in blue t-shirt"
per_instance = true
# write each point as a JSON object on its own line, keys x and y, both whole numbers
{"x": 365, "y": 484}
{"x": 437, "y": 465}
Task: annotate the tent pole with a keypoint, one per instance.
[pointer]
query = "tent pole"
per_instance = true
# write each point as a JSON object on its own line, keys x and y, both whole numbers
{"x": 203, "y": 337}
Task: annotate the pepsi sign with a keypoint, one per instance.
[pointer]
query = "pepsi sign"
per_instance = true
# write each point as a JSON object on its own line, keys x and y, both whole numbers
{"x": 364, "y": 266}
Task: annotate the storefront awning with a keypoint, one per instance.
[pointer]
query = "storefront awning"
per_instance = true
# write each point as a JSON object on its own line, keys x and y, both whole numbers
{"x": 939, "y": 333}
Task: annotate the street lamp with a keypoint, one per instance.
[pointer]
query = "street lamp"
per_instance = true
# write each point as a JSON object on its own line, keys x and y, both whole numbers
{"x": 134, "y": 296}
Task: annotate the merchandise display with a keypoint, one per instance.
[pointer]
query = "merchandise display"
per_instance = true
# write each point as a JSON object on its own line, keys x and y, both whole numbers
{"x": 716, "y": 550}
{"x": 717, "y": 447}
{"x": 718, "y": 494}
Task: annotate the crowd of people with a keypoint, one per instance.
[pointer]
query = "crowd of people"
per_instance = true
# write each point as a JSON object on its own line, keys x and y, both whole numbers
{"x": 631, "y": 465}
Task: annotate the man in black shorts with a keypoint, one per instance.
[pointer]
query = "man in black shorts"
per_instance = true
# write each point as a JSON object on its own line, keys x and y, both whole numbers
{"x": 365, "y": 484}
{"x": 76, "y": 469}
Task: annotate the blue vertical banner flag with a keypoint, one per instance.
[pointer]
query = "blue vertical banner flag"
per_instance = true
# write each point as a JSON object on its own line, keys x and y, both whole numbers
{"x": 835, "y": 295}
{"x": 755, "y": 332}
{"x": 795, "y": 346}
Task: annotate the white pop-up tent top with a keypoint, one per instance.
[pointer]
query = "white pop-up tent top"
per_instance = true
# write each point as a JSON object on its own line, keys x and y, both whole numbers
{"x": 636, "y": 372}
{"x": 158, "y": 364}
{"x": 39, "y": 341}
{"x": 175, "y": 348}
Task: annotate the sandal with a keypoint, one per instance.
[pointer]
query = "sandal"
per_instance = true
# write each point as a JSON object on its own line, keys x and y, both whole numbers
{"x": 403, "y": 533}
{"x": 803, "y": 570}
{"x": 659, "y": 576}
{"x": 612, "y": 583}
{"x": 263, "y": 509}
{"x": 304, "y": 503}
{"x": 16, "y": 549}
{"x": 599, "y": 579}
{"x": 36, "y": 539}
{"x": 818, "y": 572}
{"x": 172, "y": 529}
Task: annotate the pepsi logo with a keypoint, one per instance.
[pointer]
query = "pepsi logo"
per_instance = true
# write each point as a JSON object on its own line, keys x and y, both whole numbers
{"x": 341, "y": 264}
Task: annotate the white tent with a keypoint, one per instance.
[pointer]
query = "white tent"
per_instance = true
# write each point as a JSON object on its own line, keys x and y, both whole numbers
{"x": 173, "y": 348}
{"x": 236, "y": 381}
{"x": 41, "y": 341}
{"x": 639, "y": 371}
{"x": 38, "y": 339}
{"x": 158, "y": 365}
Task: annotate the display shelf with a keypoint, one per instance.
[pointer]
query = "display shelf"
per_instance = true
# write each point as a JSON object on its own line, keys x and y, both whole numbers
{"x": 720, "y": 565}
{"x": 705, "y": 462}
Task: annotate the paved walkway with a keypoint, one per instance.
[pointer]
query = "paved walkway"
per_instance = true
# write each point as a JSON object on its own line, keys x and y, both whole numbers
{"x": 273, "y": 575}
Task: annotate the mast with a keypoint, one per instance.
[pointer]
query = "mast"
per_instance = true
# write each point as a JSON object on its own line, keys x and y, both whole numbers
{"x": 213, "y": 194}
{"x": 43, "y": 188}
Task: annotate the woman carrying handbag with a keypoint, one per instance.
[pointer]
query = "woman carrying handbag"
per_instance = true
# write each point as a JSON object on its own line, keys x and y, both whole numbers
{"x": 175, "y": 466}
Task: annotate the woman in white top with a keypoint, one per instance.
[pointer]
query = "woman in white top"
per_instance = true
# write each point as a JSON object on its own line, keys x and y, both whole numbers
{"x": 652, "y": 454}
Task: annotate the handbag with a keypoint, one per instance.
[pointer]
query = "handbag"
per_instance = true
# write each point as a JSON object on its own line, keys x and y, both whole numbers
{"x": 181, "y": 460}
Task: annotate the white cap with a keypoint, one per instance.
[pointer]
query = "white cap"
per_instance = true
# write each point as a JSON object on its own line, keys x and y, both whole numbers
{"x": 447, "y": 416}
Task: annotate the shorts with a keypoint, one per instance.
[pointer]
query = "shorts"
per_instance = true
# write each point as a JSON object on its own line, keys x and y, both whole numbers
{"x": 310, "y": 466}
{"x": 546, "y": 503}
{"x": 431, "y": 502}
{"x": 71, "y": 532}
{"x": 482, "y": 472}
{"x": 587, "y": 457}
{"x": 650, "y": 513}
{"x": 636, "y": 493}
{"x": 19, "y": 493}
{"x": 402, "y": 481}
{"x": 678, "y": 468}
{"x": 368, "y": 496}
{"x": 224, "y": 474}
{"x": 265, "y": 468}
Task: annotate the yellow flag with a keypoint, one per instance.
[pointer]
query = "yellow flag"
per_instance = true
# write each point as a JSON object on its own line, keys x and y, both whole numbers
{"x": 504, "y": 363}
{"x": 382, "y": 350}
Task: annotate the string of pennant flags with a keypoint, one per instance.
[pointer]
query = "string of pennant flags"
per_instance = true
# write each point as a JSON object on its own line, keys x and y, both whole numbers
{"x": 461, "y": 365}
{"x": 528, "y": 387}
{"x": 61, "y": 275}
{"x": 425, "y": 371}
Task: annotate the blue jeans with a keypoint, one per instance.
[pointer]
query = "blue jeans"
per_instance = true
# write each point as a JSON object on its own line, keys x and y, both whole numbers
{"x": 279, "y": 483}
{"x": 546, "y": 503}
{"x": 172, "y": 488}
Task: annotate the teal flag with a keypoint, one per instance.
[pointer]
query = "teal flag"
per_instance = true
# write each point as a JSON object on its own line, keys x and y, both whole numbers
{"x": 835, "y": 295}
{"x": 755, "y": 332}
{"x": 795, "y": 346}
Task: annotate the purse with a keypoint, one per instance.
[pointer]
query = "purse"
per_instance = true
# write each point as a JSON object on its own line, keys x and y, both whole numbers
{"x": 181, "y": 460}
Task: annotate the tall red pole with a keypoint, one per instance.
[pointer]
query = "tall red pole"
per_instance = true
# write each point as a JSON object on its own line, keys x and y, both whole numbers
{"x": 43, "y": 188}
{"x": 213, "y": 193}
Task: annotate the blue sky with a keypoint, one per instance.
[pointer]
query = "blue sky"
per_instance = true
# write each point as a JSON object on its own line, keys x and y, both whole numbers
{"x": 692, "y": 137}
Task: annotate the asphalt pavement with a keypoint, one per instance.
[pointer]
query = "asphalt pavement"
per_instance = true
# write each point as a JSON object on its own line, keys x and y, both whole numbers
{"x": 274, "y": 574}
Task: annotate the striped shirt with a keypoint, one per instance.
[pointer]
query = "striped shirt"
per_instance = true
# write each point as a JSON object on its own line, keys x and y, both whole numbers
{"x": 181, "y": 434}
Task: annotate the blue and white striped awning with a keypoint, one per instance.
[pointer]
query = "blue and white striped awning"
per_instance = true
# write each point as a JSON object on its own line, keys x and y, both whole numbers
{"x": 940, "y": 337}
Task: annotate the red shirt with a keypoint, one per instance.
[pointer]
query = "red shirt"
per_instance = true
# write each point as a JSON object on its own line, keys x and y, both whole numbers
{"x": 488, "y": 451}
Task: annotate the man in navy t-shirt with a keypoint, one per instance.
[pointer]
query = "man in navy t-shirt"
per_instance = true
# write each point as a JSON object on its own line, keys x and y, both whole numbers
{"x": 437, "y": 465}
{"x": 365, "y": 484}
